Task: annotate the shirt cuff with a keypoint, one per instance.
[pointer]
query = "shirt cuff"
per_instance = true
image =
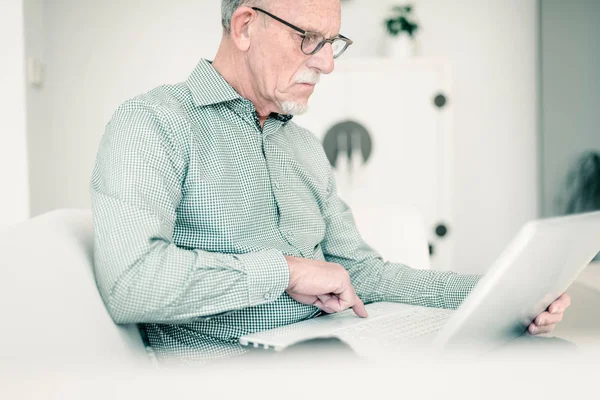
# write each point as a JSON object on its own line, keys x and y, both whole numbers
{"x": 458, "y": 287}
{"x": 268, "y": 275}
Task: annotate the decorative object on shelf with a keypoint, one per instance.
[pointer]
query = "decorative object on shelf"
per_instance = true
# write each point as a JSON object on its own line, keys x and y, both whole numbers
{"x": 401, "y": 28}
{"x": 347, "y": 137}
{"x": 348, "y": 146}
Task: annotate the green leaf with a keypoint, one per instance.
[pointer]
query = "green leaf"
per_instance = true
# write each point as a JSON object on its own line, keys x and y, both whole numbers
{"x": 400, "y": 22}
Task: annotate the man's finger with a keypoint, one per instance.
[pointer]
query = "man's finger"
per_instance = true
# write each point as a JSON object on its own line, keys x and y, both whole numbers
{"x": 355, "y": 302}
{"x": 537, "y": 330}
{"x": 560, "y": 304}
{"x": 333, "y": 304}
{"x": 546, "y": 318}
{"x": 359, "y": 308}
{"x": 319, "y": 304}
{"x": 325, "y": 297}
{"x": 348, "y": 298}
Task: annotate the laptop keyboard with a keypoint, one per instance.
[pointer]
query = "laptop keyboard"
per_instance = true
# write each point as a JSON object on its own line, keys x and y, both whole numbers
{"x": 398, "y": 329}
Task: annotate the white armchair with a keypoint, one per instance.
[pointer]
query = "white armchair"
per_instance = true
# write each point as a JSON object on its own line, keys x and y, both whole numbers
{"x": 50, "y": 299}
{"x": 49, "y": 296}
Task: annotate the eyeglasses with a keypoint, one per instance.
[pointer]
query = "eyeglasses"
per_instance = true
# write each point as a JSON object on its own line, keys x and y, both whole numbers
{"x": 312, "y": 42}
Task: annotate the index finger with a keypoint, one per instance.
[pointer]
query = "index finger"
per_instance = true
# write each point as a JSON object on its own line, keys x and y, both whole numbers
{"x": 359, "y": 308}
{"x": 348, "y": 298}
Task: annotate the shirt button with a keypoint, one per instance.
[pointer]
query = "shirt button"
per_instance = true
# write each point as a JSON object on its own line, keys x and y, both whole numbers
{"x": 267, "y": 296}
{"x": 277, "y": 185}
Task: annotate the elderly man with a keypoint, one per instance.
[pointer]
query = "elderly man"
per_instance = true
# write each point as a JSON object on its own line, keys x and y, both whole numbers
{"x": 216, "y": 216}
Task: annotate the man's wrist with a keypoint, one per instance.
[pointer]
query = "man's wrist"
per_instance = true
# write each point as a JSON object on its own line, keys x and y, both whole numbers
{"x": 291, "y": 268}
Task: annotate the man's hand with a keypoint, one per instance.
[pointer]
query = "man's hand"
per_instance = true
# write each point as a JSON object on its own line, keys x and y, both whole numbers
{"x": 323, "y": 285}
{"x": 547, "y": 320}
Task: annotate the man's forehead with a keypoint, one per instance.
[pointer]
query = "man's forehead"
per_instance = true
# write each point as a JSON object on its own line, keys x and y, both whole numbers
{"x": 321, "y": 16}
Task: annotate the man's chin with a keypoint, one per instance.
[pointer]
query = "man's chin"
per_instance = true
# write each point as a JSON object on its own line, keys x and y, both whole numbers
{"x": 293, "y": 108}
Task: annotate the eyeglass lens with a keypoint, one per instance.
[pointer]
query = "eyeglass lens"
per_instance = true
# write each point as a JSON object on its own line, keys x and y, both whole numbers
{"x": 313, "y": 42}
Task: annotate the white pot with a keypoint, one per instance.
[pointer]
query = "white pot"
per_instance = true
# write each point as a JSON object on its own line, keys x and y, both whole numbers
{"x": 401, "y": 46}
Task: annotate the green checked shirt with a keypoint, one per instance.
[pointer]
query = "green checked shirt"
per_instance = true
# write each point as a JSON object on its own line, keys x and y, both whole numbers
{"x": 195, "y": 206}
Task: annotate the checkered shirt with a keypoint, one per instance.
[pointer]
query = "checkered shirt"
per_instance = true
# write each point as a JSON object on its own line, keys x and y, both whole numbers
{"x": 195, "y": 206}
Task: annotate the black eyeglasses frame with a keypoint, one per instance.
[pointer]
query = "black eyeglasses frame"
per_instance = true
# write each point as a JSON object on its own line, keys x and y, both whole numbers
{"x": 305, "y": 34}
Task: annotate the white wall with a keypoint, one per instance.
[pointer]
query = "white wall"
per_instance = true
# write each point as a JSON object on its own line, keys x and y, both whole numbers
{"x": 14, "y": 192}
{"x": 102, "y": 52}
{"x": 98, "y": 54}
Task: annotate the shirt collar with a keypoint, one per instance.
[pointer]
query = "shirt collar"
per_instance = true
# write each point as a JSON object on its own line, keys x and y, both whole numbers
{"x": 209, "y": 87}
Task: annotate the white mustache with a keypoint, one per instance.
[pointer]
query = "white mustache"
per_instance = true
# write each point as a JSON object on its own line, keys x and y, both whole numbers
{"x": 308, "y": 76}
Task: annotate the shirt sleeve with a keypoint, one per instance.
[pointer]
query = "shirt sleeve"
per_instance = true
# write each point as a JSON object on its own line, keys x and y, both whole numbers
{"x": 376, "y": 280}
{"x": 142, "y": 275}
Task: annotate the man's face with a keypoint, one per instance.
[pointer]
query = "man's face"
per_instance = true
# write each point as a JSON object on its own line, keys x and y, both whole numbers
{"x": 284, "y": 76}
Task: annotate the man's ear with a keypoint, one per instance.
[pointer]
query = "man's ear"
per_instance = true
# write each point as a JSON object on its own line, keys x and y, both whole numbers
{"x": 241, "y": 27}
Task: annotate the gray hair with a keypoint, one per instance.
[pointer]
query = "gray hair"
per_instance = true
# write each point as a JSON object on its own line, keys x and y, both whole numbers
{"x": 228, "y": 7}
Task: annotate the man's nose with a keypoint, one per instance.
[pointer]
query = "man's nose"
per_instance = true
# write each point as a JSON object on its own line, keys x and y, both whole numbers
{"x": 323, "y": 59}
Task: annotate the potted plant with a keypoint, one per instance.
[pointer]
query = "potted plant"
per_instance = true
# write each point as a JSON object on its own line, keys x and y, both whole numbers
{"x": 401, "y": 28}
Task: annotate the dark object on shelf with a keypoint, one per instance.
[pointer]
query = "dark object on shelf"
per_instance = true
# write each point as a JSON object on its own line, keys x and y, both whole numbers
{"x": 345, "y": 136}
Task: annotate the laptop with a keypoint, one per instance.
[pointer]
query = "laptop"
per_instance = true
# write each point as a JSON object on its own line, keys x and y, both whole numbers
{"x": 537, "y": 266}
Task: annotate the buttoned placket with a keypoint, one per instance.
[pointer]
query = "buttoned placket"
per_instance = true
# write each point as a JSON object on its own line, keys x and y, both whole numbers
{"x": 272, "y": 125}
